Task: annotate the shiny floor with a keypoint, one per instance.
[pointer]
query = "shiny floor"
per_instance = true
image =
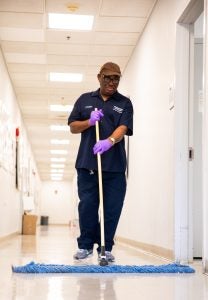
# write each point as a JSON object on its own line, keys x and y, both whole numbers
{"x": 56, "y": 244}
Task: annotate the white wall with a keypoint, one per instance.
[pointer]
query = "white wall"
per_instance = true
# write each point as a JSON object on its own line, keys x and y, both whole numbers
{"x": 149, "y": 206}
{"x": 57, "y": 202}
{"x": 10, "y": 197}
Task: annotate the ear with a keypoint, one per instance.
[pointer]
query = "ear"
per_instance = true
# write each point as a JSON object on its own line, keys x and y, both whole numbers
{"x": 99, "y": 77}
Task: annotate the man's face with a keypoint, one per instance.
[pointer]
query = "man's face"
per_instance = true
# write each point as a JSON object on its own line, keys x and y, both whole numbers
{"x": 108, "y": 83}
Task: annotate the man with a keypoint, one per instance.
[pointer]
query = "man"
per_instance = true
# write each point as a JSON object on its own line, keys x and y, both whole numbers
{"x": 115, "y": 116}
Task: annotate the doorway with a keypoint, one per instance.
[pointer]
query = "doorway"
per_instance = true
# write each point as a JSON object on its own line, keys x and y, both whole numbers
{"x": 188, "y": 133}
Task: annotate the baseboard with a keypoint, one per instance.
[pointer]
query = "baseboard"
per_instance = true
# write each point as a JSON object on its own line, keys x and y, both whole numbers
{"x": 156, "y": 250}
{"x": 8, "y": 237}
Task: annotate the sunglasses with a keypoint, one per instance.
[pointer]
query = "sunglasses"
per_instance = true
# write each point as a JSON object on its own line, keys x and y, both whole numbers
{"x": 108, "y": 78}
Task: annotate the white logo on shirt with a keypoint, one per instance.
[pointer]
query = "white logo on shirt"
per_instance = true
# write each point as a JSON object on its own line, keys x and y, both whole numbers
{"x": 88, "y": 106}
{"x": 118, "y": 109}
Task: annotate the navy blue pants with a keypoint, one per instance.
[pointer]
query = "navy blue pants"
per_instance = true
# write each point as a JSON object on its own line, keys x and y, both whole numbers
{"x": 114, "y": 190}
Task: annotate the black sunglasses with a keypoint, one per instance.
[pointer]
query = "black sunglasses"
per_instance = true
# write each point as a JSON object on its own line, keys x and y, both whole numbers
{"x": 108, "y": 78}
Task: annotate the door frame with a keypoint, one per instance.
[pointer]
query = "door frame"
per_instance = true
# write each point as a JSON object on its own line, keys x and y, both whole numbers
{"x": 205, "y": 142}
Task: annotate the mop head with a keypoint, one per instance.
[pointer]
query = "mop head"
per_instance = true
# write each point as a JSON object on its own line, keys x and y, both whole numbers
{"x": 51, "y": 268}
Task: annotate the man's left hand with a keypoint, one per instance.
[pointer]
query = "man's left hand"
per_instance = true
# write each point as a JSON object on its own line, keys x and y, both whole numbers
{"x": 102, "y": 146}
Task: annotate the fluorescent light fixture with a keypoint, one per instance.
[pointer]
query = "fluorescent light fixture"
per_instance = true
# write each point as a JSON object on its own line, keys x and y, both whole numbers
{"x": 60, "y": 142}
{"x": 57, "y": 175}
{"x": 59, "y": 151}
{"x": 61, "y": 166}
{"x": 58, "y": 159}
{"x": 56, "y": 178}
{"x": 59, "y": 128}
{"x": 61, "y": 108}
{"x": 57, "y": 171}
{"x": 70, "y": 21}
{"x": 65, "y": 77}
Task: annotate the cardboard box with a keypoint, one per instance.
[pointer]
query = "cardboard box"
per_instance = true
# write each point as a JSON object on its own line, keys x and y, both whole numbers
{"x": 29, "y": 224}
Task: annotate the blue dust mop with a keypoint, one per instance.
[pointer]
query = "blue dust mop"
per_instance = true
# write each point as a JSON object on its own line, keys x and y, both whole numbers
{"x": 103, "y": 267}
{"x": 51, "y": 268}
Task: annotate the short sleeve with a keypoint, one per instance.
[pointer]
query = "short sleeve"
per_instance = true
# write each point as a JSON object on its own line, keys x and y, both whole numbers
{"x": 127, "y": 117}
{"x": 75, "y": 115}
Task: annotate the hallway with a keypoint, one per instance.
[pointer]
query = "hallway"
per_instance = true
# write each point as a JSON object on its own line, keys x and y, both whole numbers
{"x": 56, "y": 244}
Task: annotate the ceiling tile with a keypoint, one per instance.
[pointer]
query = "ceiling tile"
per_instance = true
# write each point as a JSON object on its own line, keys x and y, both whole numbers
{"x": 30, "y": 68}
{"x": 118, "y": 38}
{"x": 120, "y": 24}
{"x": 30, "y": 83}
{"x": 67, "y": 60}
{"x": 106, "y": 50}
{"x": 23, "y": 47}
{"x": 21, "y": 20}
{"x": 83, "y": 6}
{"x": 62, "y": 36}
{"x": 36, "y": 6}
{"x": 132, "y": 8}
{"x": 63, "y": 49}
{"x": 21, "y": 34}
{"x": 33, "y": 99}
{"x": 25, "y": 58}
{"x": 29, "y": 76}
{"x": 35, "y": 91}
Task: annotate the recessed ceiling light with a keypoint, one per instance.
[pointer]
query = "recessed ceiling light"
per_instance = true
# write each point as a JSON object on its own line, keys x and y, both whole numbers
{"x": 58, "y": 159}
{"x": 59, "y": 127}
{"x": 59, "y": 151}
{"x": 62, "y": 108}
{"x": 70, "y": 21}
{"x": 65, "y": 77}
{"x": 61, "y": 166}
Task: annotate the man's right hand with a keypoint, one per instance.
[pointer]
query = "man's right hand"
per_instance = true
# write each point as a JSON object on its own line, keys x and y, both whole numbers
{"x": 95, "y": 116}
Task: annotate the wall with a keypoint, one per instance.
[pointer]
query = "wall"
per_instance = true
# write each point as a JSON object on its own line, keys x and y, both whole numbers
{"x": 11, "y": 206}
{"x": 57, "y": 202}
{"x": 148, "y": 79}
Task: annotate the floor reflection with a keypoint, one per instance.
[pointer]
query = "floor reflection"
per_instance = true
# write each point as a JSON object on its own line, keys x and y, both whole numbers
{"x": 96, "y": 287}
{"x": 56, "y": 245}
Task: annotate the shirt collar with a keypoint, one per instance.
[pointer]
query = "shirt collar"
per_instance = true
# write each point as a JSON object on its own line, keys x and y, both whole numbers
{"x": 97, "y": 94}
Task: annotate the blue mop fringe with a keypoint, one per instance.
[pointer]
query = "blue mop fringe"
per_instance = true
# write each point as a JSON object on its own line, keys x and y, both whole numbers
{"x": 33, "y": 267}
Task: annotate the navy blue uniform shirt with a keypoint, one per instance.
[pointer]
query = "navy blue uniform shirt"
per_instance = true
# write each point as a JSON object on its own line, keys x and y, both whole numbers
{"x": 118, "y": 110}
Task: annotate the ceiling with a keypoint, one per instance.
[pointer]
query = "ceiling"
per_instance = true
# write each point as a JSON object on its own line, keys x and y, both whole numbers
{"x": 31, "y": 51}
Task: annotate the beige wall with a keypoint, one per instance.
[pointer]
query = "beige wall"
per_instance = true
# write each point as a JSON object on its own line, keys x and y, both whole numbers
{"x": 57, "y": 202}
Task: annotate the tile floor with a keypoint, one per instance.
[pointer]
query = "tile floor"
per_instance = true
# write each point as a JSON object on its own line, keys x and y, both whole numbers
{"x": 56, "y": 244}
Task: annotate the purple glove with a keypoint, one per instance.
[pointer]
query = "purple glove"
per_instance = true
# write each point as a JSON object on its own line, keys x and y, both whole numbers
{"x": 95, "y": 116}
{"x": 102, "y": 146}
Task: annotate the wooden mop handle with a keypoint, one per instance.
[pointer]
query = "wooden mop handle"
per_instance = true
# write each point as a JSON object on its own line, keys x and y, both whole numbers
{"x": 102, "y": 232}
